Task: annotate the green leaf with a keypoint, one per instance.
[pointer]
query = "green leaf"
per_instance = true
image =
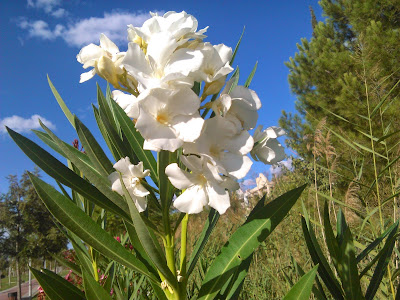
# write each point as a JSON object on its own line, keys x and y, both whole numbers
{"x": 56, "y": 287}
{"x": 302, "y": 289}
{"x": 318, "y": 291}
{"x": 69, "y": 265}
{"x": 100, "y": 182}
{"x": 250, "y": 78}
{"x": 317, "y": 257}
{"x": 61, "y": 103}
{"x": 383, "y": 100}
{"x": 148, "y": 242}
{"x": 93, "y": 290}
{"x": 376, "y": 242}
{"x": 347, "y": 267}
{"x": 82, "y": 156}
{"x": 135, "y": 140}
{"x": 122, "y": 148}
{"x": 166, "y": 188}
{"x": 75, "y": 220}
{"x": 103, "y": 131}
{"x": 245, "y": 240}
{"x": 331, "y": 242}
{"x": 237, "y": 47}
{"x": 105, "y": 108}
{"x": 93, "y": 149}
{"x": 63, "y": 174}
{"x": 208, "y": 227}
{"x": 381, "y": 267}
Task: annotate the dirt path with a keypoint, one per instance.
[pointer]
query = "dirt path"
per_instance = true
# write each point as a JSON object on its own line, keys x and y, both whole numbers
{"x": 24, "y": 288}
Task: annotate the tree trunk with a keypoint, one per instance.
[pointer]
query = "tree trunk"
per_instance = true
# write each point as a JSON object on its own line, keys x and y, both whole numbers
{"x": 18, "y": 277}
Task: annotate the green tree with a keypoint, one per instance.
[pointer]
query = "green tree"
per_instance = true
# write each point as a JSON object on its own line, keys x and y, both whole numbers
{"x": 356, "y": 46}
{"x": 27, "y": 229}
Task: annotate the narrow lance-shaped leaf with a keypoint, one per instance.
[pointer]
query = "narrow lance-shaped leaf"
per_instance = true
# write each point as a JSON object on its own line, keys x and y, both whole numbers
{"x": 302, "y": 289}
{"x": 63, "y": 174}
{"x": 102, "y": 184}
{"x": 93, "y": 149}
{"x": 135, "y": 140}
{"x": 57, "y": 289}
{"x": 61, "y": 103}
{"x": 208, "y": 227}
{"x": 245, "y": 240}
{"x": 148, "y": 241}
{"x": 93, "y": 290}
{"x": 381, "y": 267}
{"x": 75, "y": 220}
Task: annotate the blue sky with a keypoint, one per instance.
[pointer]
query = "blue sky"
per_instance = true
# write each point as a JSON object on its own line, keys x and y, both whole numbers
{"x": 42, "y": 37}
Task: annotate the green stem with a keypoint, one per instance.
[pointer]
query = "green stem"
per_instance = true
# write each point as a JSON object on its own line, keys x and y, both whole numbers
{"x": 373, "y": 154}
{"x": 182, "y": 265}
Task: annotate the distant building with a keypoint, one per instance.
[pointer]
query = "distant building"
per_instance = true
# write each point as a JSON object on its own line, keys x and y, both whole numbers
{"x": 264, "y": 186}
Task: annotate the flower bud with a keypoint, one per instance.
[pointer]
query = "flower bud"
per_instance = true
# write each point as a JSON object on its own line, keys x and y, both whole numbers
{"x": 105, "y": 68}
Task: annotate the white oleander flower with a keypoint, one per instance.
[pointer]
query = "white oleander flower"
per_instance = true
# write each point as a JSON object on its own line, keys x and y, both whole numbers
{"x": 267, "y": 148}
{"x": 215, "y": 67}
{"x": 105, "y": 59}
{"x": 162, "y": 65}
{"x": 203, "y": 186}
{"x": 131, "y": 176}
{"x": 168, "y": 118}
{"x": 181, "y": 27}
{"x": 241, "y": 103}
{"x": 128, "y": 102}
{"x": 224, "y": 145}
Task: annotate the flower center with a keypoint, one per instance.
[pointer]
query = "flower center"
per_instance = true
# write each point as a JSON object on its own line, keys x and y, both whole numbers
{"x": 162, "y": 117}
{"x": 134, "y": 181}
{"x": 215, "y": 151}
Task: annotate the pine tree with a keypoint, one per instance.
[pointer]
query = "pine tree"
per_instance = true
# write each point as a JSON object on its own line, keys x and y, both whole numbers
{"x": 356, "y": 46}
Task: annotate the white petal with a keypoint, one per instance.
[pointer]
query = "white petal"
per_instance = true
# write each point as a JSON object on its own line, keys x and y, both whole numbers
{"x": 160, "y": 48}
{"x": 108, "y": 45}
{"x": 218, "y": 198}
{"x": 236, "y": 165}
{"x": 188, "y": 127}
{"x": 192, "y": 200}
{"x": 88, "y": 75}
{"x": 90, "y": 52}
{"x": 242, "y": 143}
{"x": 184, "y": 61}
{"x": 160, "y": 135}
{"x": 179, "y": 178}
{"x": 135, "y": 61}
{"x": 249, "y": 95}
{"x": 140, "y": 203}
{"x": 140, "y": 191}
{"x": 123, "y": 165}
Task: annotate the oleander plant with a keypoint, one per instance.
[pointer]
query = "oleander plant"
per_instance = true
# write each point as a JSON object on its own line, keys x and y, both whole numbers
{"x": 177, "y": 127}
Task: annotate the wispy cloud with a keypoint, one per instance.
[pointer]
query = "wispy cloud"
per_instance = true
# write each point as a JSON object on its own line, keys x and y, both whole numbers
{"x": 50, "y": 7}
{"x": 278, "y": 168}
{"x": 40, "y": 29}
{"x": 85, "y": 31}
{"x": 23, "y": 125}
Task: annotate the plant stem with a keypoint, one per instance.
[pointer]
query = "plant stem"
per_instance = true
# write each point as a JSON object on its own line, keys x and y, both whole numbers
{"x": 373, "y": 153}
{"x": 182, "y": 265}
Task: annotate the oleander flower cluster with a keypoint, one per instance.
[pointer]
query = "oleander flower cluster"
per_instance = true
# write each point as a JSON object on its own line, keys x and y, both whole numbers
{"x": 166, "y": 61}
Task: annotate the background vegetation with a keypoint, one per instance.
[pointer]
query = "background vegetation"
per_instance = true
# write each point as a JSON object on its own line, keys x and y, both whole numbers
{"x": 346, "y": 135}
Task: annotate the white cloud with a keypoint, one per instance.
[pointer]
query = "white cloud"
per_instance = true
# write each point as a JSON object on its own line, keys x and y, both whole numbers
{"x": 49, "y": 7}
{"x": 277, "y": 169}
{"x": 86, "y": 31}
{"x": 113, "y": 25}
{"x": 248, "y": 182}
{"x": 22, "y": 125}
{"x": 40, "y": 29}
